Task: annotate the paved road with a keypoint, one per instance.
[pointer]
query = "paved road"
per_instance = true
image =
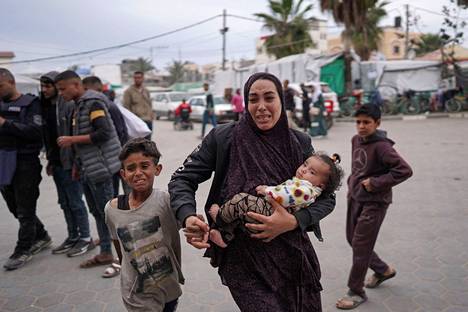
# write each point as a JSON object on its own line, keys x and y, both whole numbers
{"x": 424, "y": 234}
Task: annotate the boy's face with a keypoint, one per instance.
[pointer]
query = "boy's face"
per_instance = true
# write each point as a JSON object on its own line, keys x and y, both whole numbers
{"x": 366, "y": 125}
{"x": 139, "y": 172}
{"x": 315, "y": 171}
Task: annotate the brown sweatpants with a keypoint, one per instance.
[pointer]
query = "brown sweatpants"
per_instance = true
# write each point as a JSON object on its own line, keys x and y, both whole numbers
{"x": 362, "y": 227}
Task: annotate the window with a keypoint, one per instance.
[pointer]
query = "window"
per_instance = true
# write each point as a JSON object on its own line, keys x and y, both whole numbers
{"x": 396, "y": 49}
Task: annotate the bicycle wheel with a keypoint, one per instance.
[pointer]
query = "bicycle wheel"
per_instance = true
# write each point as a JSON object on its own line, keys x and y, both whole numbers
{"x": 412, "y": 107}
{"x": 386, "y": 107}
{"x": 453, "y": 105}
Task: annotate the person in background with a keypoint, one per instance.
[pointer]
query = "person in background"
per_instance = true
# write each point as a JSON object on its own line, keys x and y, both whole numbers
{"x": 57, "y": 116}
{"x": 289, "y": 104}
{"x": 97, "y": 147}
{"x": 20, "y": 171}
{"x": 209, "y": 112}
{"x": 306, "y": 101}
{"x": 137, "y": 100}
{"x": 94, "y": 83}
{"x": 238, "y": 104}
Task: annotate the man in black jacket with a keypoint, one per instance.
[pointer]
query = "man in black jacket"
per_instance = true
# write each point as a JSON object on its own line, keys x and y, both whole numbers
{"x": 20, "y": 175}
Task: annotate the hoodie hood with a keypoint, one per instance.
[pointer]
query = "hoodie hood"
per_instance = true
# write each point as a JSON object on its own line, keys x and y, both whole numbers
{"x": 49, "y": 77}
{"x": 379, "y": 135}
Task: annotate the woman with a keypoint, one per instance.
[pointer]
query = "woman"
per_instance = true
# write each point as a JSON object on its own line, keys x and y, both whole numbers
{"x": 261, "y": 270}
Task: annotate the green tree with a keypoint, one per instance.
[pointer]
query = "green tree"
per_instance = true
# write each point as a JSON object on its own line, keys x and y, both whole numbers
{"x": 290, "y": 26}
{"x": 367, "y": 39}
{"x": 140, "y": 64}
{"x": 177, "y": 71}
{"x": 428, "y": 43}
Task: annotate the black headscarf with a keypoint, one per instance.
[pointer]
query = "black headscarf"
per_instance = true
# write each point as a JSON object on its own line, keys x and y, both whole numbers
{"x": 261, "y": 157}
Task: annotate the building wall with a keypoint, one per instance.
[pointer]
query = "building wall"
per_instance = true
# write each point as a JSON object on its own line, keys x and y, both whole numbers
{"x": 392, "y": 44}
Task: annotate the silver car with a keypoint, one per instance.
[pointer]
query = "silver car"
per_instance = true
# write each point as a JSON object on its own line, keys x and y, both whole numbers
{"x": 223, "y": 109}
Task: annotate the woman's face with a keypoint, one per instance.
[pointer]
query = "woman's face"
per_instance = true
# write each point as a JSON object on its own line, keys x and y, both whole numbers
{"x": 264, "y": 104}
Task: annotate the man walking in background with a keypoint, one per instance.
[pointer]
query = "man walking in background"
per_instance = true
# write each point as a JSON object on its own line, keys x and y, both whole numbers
{"x": 137, "y": 100}
{"x": 209, "y": 113}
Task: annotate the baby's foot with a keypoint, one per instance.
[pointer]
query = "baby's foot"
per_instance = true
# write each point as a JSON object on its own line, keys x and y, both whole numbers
{"x": 214, "y": 211}
{"x": 215, "y": 237}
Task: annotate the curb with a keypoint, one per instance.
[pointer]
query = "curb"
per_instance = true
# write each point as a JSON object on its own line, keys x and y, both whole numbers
{"x": 416, "y": 117}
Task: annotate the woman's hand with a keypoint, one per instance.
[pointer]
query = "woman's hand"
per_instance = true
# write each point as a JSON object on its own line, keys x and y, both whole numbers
{"x": 278, "y": 223}
{"x": 197, "y": 231}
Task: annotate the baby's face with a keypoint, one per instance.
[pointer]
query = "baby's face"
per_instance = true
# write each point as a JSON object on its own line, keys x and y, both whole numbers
{"x": 315, "y": 171}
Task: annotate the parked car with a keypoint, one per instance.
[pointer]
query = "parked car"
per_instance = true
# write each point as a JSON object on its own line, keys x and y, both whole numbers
{"x": 165, "y": 103}
{"x": 223, "y": 109}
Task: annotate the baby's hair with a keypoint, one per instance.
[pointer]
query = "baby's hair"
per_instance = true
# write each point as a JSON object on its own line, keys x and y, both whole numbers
{"x": 140, "y": 145}
{"x": 336, "y": 172}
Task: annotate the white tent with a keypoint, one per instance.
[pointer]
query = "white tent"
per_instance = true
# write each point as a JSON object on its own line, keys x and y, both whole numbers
{"x": 27, "y": 85}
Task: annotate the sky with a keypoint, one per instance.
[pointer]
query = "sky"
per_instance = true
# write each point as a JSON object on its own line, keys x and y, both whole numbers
{"x": 45, "y": 28}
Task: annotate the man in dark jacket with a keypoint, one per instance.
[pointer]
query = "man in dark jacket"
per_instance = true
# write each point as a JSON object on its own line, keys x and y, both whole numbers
{"x": 57, "y": 116}
{"x": 376, "y": 168}
{"x": 94, "y": 83}
{"x": 20, "y": 171}
{"x": 289, "y": 104}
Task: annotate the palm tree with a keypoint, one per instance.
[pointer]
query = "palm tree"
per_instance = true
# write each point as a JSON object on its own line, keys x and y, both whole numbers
{"x": 290, "y": 27}
{"x": 176, "y": 70}
{"x": 428, "y": 43}
{"x": 360, "y": 19}
{"x": 367, "y": 39}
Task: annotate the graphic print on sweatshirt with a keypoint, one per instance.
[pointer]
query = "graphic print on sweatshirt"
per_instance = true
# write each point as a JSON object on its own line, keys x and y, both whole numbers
{"x": 360, "y": 160}
{"x": 142, "y": 240}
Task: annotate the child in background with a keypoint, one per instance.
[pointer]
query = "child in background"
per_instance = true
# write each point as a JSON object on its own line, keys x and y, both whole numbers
{"x": 145, "y": 233}
{"x": 376, "y": 168}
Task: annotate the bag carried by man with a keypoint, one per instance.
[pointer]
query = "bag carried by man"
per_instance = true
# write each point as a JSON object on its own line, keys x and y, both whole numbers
{"x": 136, "y": 127}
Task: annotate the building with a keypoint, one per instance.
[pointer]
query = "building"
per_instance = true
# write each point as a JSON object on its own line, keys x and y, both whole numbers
{"x": 392, "y": 44}
{"x": 6, "y": 56}
{"x": 318, "y": 33}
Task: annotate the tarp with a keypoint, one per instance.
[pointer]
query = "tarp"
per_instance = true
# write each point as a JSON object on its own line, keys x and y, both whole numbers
{"x": 27, "y": 85}
{"x": 296, "y": 68}
{"x": 333, "y": 74}
{"x": 401, "y": 75}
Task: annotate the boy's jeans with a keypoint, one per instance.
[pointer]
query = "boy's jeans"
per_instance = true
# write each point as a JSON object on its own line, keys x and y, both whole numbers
{"x": 70, "y": 197}
{"x": 97, "y": 195}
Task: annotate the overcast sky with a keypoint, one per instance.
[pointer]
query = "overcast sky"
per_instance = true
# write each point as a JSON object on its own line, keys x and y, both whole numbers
{"x": 34, "y": 29}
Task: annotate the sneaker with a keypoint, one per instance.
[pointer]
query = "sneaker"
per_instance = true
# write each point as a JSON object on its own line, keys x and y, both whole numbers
{"x": 41, "y": 244}
{"x": 80, "y": 248}
{"x": 17, "y": 260}
{"x": 65, "y": 246}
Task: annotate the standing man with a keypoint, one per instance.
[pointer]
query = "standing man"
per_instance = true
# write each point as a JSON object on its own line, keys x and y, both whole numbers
{"x": 137, "y": 100}
{"x": 209, "y": 113}
{"x": 96, "y": 147}
{"x": 238, "y": 104}
{"x": 94, "y": 83}
{"x": 289, "y": 104}
{"x": 20, "y": 167}
{"x": 57, "y": 116}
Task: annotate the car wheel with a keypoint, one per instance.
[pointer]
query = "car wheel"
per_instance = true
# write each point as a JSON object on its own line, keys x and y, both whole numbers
{"x": 169, "y": 115}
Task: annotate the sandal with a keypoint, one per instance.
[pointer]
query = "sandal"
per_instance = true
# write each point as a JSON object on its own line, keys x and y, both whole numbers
{"x": 95, "y": 261}
{"x": 112, "y": 270}
{"x": 354, "y": 300}
{"x": 376, "y": 279}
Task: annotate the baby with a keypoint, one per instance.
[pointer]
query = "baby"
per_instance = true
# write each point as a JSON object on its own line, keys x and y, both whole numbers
{"x": 319, "y": 174}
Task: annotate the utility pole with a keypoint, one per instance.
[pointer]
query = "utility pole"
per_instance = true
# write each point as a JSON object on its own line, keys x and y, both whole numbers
{"x": 407, "y": 31}
{"x": 223, "y": 31}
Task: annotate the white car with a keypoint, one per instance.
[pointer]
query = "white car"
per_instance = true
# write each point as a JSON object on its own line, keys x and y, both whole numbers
{"x": 329, "y": 97}
{"x": 165, "y": 103}
{"x": 223, "y": 109}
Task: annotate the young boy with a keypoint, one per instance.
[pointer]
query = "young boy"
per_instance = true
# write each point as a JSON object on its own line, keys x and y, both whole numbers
{"x": 376, "y": 168}
{"x": 145, "y": 233}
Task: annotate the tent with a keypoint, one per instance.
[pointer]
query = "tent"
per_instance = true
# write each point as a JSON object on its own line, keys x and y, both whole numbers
{"x": 296, "y": 68}
{"x": 27, "y": 85}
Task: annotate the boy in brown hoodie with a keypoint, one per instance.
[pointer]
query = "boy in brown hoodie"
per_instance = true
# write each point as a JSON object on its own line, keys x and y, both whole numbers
{"x": 376, "y": 168}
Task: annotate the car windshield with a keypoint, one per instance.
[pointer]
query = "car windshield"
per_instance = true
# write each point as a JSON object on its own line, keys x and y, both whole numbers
{"x": 219, "y": 100}
{"x": 178, "y": 97}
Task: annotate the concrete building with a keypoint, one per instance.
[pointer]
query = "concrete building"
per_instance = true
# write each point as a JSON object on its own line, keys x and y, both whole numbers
{"x": 318, "y": 33}
{"x": 392, "y": 44}
{"x": 6, "y": 56}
